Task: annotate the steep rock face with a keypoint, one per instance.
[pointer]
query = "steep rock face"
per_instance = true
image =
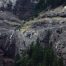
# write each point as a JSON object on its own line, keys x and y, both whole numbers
{"x": 8, "y": 20}
{"x": 51, "y": 30}
{"x": 8, "y": 48}
{"x": 25, "y": 8}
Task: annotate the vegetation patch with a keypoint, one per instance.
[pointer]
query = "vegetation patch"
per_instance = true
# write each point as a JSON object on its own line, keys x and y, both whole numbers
{"x": 36, "y": 55}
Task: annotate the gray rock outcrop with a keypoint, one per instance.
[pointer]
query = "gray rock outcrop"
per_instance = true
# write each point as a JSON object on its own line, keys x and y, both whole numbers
{"x": 8, "y": 48}
{"x": 51, "y": 30}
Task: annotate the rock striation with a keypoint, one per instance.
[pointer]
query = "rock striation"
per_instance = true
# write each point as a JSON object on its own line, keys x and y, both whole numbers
{"x": 8, "y": 48}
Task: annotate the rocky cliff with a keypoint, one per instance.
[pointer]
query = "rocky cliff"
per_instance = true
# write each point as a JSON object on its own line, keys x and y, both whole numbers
{"x": 23, "y": 9}
{"x": 50, "y": 28}
{"x": 17, "y": 35}
{"x": 8, "y": 48}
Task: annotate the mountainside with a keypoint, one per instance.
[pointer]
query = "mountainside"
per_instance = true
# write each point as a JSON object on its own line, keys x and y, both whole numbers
{"x": 8, "y": 20}
{"x": 24, "y": 9}
{"x": 50, "y": 28}
{"x": 17, "y": 35}
{"x": 8, "y": 25}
